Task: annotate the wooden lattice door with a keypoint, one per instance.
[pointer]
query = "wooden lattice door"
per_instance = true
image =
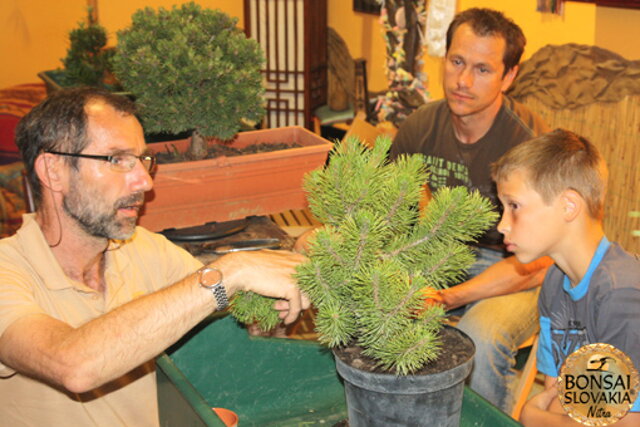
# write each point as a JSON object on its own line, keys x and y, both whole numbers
{"x": 293, "y": 35}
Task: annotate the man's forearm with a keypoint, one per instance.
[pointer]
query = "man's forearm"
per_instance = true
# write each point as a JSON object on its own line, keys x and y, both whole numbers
{"x": 504, "y": 277}
{"x": 109, "y": 346}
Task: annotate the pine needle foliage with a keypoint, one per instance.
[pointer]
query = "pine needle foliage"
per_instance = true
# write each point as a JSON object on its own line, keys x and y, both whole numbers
{"x": 375, "y": 253}
{"x": 191, "y": 69}
{"x": 250, "y": 308}
{"x": 87, "y": 61}
{"x": 367, "y": 265}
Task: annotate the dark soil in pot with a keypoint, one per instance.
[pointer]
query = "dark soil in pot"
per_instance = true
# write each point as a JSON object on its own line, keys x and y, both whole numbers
{"x": 217, "y": 150}
{"x": 455, "y": 352}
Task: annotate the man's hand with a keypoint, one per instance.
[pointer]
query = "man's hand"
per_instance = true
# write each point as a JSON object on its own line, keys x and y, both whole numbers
{"x": 432, "y": 296}
{"x": 267, "y": 273}
{"x": 302, "y": 242}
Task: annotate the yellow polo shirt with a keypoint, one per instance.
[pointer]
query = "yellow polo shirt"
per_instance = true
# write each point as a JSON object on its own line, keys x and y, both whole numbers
{"x": 32, "y": 281}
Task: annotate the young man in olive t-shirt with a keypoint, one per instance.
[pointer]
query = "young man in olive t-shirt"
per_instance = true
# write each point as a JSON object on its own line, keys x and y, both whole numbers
{"x": 461, "y": 136}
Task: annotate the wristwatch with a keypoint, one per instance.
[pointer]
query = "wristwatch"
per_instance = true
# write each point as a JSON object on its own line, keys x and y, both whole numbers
{"x": 211, "y": 278}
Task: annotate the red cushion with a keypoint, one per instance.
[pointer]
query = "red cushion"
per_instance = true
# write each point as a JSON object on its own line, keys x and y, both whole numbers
{"x": 8, "y": 125}
{"x": 15, "y": 102}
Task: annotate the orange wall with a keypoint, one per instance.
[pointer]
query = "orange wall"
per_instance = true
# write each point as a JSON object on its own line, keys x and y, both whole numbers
{"x": 619, "y": 30}
{"x": 116, "y": 14}
{"x": 34, "y": 33}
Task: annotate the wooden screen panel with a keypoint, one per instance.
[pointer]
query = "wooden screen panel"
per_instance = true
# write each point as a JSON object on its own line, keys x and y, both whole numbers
{"x": 292, "y": 34}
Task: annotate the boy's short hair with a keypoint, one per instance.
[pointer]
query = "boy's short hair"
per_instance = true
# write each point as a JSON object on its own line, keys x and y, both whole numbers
{"x": 555, "y": 162}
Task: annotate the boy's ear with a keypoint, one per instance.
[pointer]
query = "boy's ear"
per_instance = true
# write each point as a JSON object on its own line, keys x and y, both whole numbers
{"x": 49, "y": 169}
{"x": 572, "y": 204}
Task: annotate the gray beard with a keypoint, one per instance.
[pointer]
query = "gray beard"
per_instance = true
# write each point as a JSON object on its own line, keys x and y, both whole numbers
{"x": 101, "y": 224}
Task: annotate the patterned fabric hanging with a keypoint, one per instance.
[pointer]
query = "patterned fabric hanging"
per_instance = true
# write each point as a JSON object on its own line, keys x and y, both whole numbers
{"x": 439, "y": 15}
{"x": 403, "y": 23}
{"x": 551, "y": 6}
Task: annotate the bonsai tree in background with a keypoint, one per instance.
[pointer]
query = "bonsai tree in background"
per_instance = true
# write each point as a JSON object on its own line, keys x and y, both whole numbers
{"x": 191, "y": 69}
{"x": 368, "y": 264}
{"x": 88, "y": 62}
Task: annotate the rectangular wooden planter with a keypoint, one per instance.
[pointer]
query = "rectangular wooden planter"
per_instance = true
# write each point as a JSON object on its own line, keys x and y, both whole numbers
{"x": 53, "y": 81}
{"x": 225, "y": 188}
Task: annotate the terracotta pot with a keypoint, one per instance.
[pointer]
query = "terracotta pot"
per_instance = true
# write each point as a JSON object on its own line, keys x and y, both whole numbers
{"x": 225, "y": 188}
{"x": 228, "y": 417}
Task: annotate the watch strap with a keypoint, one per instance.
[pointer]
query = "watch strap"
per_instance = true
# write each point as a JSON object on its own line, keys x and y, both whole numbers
{"x": 217, "y": 289}
{"x": 220, "y": 293}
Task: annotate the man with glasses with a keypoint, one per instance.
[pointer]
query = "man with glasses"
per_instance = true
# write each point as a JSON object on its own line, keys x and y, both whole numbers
{"x": 87, "y": 299}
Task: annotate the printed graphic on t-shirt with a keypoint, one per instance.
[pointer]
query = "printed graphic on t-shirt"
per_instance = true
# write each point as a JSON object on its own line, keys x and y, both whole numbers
{"x": 445, "y": 173}
{"x": 566, "y": 341}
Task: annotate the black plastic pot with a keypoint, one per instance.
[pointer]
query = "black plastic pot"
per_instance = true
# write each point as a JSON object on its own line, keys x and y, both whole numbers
{"x": 375, "y": 399}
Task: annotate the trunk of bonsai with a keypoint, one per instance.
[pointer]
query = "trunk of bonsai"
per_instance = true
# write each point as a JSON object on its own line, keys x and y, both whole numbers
{"x": 198, "y": 146}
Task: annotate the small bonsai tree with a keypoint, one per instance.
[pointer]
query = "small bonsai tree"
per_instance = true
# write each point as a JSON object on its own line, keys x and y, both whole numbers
{"x": 88, "y": 62}
{"x": 375, "y": 253}
{"x": 191, "y": 69}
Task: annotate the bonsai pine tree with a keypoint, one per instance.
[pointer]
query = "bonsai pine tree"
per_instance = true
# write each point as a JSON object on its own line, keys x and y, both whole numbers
{"x": 191, "y": 69}
{"x": 87, "y": 61}
{"x": 375, "y": 253}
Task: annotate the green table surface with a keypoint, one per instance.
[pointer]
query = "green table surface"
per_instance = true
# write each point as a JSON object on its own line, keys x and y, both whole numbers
{"x": 266, "y": 381}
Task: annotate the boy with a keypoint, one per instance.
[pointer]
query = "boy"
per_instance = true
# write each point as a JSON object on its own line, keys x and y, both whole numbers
{"x": 552, "y": 189}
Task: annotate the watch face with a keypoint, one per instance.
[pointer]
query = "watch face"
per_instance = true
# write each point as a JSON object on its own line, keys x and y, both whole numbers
{"x": 210, "y": 277}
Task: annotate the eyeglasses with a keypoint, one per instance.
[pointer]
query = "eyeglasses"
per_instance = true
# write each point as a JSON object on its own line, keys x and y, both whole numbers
{"x": 124, "y": 162}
